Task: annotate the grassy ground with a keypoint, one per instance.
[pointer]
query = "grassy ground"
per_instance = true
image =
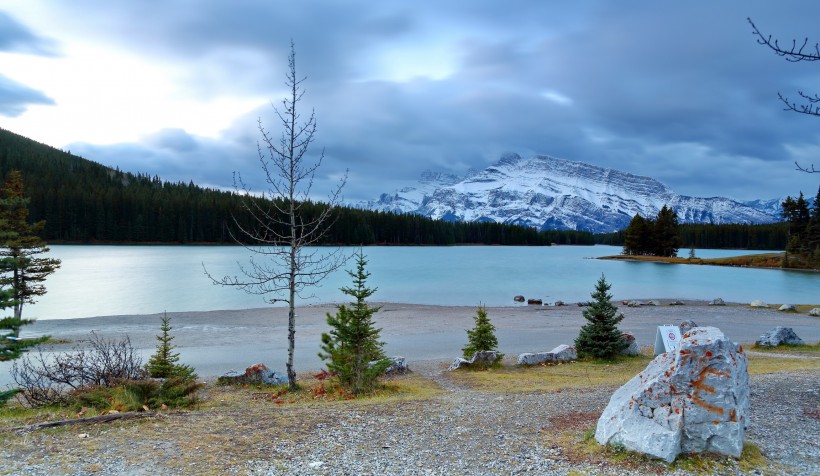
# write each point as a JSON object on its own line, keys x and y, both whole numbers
{"x": 581, "y": 374}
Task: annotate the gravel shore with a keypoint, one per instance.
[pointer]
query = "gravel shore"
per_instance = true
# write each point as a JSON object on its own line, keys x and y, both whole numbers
{"x": 456, "y": 431}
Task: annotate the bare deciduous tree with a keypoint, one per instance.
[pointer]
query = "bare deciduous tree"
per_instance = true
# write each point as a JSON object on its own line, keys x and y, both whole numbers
{"x": 810, "y": 103}
{"x": 285, "y": 224}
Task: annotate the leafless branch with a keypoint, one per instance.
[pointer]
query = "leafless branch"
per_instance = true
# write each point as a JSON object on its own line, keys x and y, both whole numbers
{"x": 795, "y": 54}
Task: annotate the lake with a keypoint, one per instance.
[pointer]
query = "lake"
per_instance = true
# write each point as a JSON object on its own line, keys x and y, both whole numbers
{"x": 99, "y": 280}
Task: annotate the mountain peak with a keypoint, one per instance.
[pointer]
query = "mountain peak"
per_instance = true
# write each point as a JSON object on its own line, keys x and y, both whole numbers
{"x": 550, "y": 193}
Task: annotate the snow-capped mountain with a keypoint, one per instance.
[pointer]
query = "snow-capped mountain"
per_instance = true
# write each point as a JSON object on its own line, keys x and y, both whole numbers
{"x": 550, "y": 193}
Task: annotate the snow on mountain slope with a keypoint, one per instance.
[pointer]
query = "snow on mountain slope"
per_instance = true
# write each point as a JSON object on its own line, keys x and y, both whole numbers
{"x": 550, "y": 193}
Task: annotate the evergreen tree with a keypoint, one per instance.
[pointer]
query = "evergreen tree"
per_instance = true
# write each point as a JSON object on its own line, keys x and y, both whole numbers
{"x": 639, "y": 236}
{"x": 666, "y": 241}
{"x": 163, "y": 364}
{"x": 20, "y": 269}
{"x": 600, "y": 337}
{"x": 482, "y": 336}
{"x": 352, "y": 348}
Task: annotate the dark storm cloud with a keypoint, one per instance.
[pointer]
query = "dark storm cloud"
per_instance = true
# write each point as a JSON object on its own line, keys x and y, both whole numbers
{"x": 16, "y": 97}
{"x": 17, "y": 38}
{"x": 676, "y": 91}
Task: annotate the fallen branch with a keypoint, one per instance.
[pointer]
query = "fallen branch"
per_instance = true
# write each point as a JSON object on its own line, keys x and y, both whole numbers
{"x": 86, "y": 421}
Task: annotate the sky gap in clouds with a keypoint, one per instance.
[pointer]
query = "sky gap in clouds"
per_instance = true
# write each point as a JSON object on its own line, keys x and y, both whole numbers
{"x": 677, "y": 91}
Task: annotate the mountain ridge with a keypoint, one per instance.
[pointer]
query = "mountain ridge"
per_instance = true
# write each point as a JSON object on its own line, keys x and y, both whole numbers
{"x": 549, "y": 193}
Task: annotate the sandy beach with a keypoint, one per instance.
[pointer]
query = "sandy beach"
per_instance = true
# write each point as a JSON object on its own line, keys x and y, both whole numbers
{"x": 215, "y": 342}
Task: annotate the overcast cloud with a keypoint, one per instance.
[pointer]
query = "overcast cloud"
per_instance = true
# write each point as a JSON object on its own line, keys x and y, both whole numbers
{"x": 677, "y": 91}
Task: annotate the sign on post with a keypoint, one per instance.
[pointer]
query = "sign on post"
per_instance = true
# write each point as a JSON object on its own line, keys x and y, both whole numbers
{"x": 667, "y": 339}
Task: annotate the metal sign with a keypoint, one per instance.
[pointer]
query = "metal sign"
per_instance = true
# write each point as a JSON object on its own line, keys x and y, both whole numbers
{"x": 667, "y": 339}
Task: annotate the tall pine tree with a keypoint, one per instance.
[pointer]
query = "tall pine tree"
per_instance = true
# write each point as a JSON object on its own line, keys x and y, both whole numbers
{"x": 599, "y": 337}
{"x": 352, "y": 348}
{"x": 21, "y": 269}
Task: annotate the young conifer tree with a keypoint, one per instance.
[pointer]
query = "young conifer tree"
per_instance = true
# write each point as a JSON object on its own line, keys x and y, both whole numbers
{"x": 482, "y": 336}
{"x": 352, "y": 348}
{"x": 600, "y": 337}
{"x": 163, "y": 364}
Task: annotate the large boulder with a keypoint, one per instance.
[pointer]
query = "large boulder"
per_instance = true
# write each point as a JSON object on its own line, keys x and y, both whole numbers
{"x": 518, "y": 298}
{"x": 690, "y": 400}
{"x": 717, "y": 302}
{"x": 561, "y": 353}
{"x": 758, "y": 303}
{"x": 535, "y": 302}
{"x": 633, "y": 348}
{"x": 484, "y": 358}
{"x": 788, "y": 308}
{"x": 815, "y": 312}
{"x": 778, "y": 336}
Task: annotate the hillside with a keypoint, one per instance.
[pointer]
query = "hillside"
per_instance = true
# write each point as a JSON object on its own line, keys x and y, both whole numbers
{"x": 85, "y": 202}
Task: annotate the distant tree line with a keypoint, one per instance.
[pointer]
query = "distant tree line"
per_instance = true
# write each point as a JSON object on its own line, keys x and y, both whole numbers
{"x": 653, "y": 237}
{"x": 803, "y": 220}
{"x": 766, "y": 236}
{"x": 85, "y": 202}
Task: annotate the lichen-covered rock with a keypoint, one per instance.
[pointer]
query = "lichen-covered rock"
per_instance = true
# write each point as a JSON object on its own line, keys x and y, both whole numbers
{"x": 778, "y": 336}
{"x": 788, "y": 308}
{"x": 632, "y": 345}
{"x": 717, "y": 302}
{"x": 255, "y": 374}
{"x": 485, "y": 358}
{"x": 758, "y": 303}
{"x": 691, "y": 400}
{"x": 686, "y": 325}
{"x": 815, "y": 312}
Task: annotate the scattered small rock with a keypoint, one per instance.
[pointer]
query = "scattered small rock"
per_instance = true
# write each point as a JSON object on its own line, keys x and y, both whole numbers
{"x": 560, "y": 303}
{"x": 485, "y": 358}
{"x": 398, "y": 367}
{"x": 255, "y": 374}
{"x": 778, "y": 336}
{"x": 686, "y": 326}
{"x": 561, "y": 353}
{"x": 717, "y": 302}
{"x": 633, "y": 348}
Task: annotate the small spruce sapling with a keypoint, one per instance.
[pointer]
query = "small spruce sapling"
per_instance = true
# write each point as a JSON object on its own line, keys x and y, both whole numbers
{"x": 600, "y": 337}
{"x": 482, "y": 336}
{"x": 163, "y": 364}
{"x": 352, "y": 348}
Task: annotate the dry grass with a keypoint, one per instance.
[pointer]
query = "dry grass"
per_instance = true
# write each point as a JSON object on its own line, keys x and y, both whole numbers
{"x": 763, "y": 260}
{"x": 580, "y": 446}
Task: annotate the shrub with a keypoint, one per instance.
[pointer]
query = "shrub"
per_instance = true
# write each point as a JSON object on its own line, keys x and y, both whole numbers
{"x": 102, "y": 363}
{"x": 136, "y": 395}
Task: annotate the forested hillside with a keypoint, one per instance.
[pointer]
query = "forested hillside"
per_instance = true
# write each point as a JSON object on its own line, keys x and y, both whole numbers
{"x": 86, "y": 202}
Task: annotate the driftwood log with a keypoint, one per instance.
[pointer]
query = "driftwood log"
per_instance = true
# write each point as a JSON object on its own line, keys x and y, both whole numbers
{"x": 86, "y": 421}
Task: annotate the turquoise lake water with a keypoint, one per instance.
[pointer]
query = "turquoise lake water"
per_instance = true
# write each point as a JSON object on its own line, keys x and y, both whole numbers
{"x": 117, "y": 280}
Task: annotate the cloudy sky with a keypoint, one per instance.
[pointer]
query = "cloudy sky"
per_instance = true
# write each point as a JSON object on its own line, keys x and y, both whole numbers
{"x": 679, "y": 91}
